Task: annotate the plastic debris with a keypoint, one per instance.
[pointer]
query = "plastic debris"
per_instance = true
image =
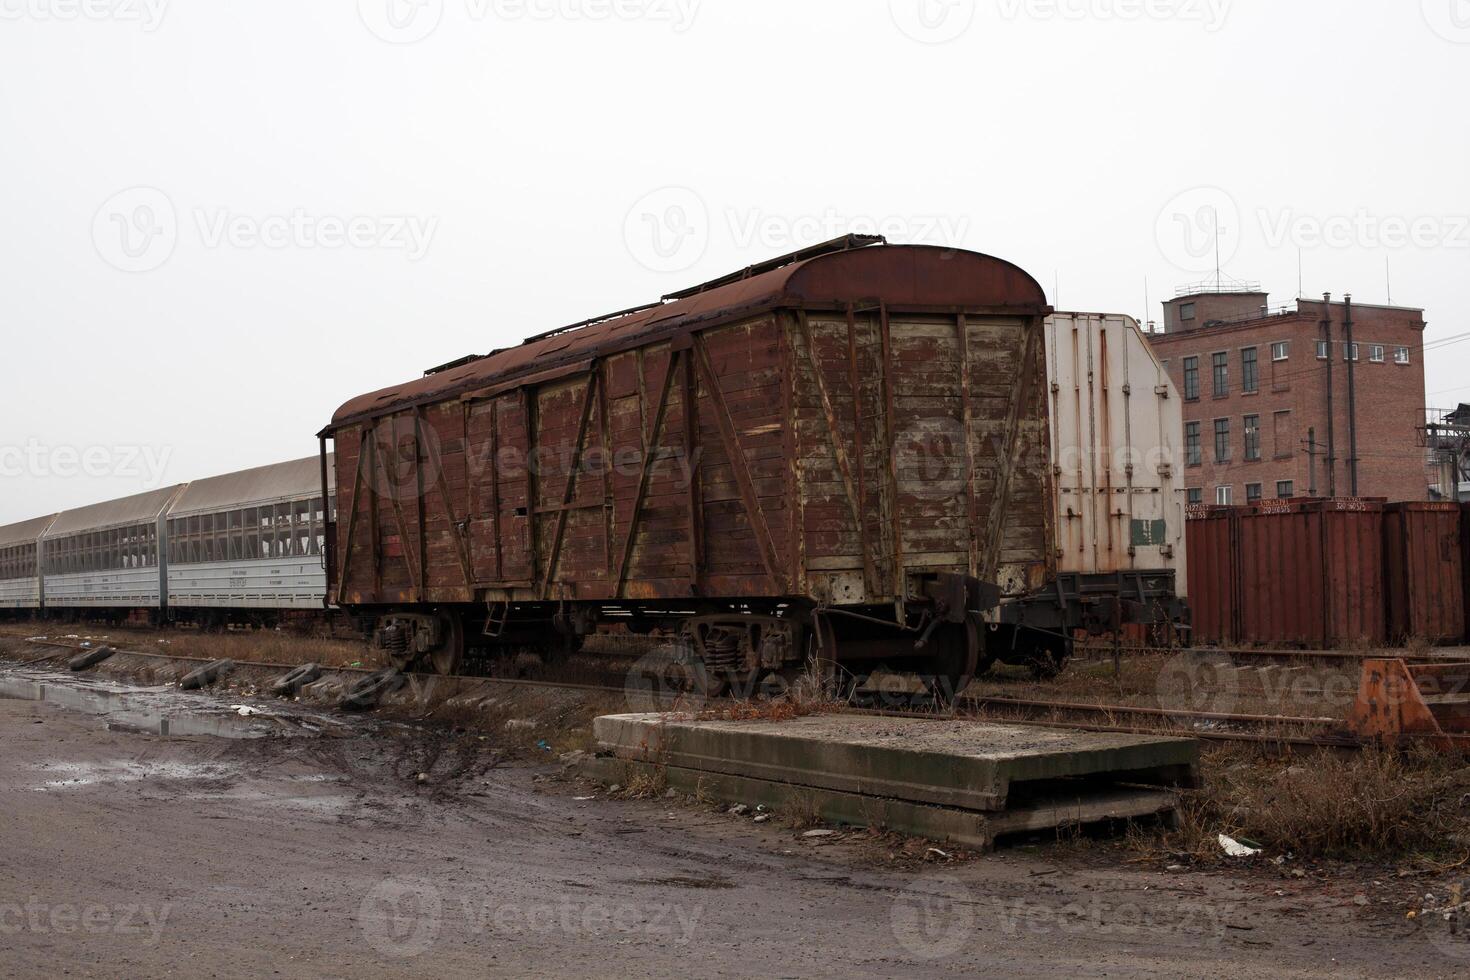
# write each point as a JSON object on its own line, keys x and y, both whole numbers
{"x": 544, "y": 745}
{"x": 1236, "y": 849}
{"x": 819, "y": 833}
{"x": 244, "y": 710}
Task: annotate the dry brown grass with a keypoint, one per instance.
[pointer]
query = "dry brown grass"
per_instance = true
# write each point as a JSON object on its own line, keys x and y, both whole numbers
{"x": 1372, "y": 804}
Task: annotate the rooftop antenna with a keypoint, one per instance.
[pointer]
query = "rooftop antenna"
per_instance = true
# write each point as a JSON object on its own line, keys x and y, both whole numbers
{"x": 1298, "y": 272}
{"x": 1145, "y": 302}
{"x": 1388, "y": 276}
{"x": 1215, "y": 216}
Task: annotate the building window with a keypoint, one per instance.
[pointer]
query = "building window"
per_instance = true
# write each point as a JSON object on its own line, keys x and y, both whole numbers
{"x": 1285, "y": 489}
{"x": 1249, "y": 378}
{"x": 1196, "y": 495}
{"x": 1281, "y": 350}
{"x": 1252, "y": 493}
{"x": 1375, "y": 353}
{"x": 1222, "y": 440}
{"x": 1349, "y": 352}
{"x": 1221, "y": 363}
{"x": 1191, "y": 379}
{"x": 1252, "y": 438}
{"x": 1321, "y": 350}
{"x": 1401, "y": 355}
{"x": 1284, "y": 437}
{"x": 1192, "y": 454}
{"x": 1186, "y": 311}
{"x": 1224, "y": 496}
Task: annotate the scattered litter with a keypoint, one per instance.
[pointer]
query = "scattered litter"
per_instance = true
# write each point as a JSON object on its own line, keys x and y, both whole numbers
{"x": 935, "y": 854}
{"x": 1236, "y": 849}
{"x": 423, "y": 777}
{"x": 355, "y": 663}
{"x": 519, "y": 724}
{"x": 583, "y": 799}
{"x": 544, "y": 745}
{"x": 820, "y": 833}
{"x": 615, "y": 787}
{"x": 739, "y": 810}
{"x": 244, "y": 710}
{"x": 35, "y": 639}
{"x": 762, "y": 817}
{"x": 86, "y": 643}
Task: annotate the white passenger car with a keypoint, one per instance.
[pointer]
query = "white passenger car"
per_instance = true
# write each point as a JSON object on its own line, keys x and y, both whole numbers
{"x": 20, "y": 573}
{"x": 249, "y": 540}
{"x": 107, "y": 555}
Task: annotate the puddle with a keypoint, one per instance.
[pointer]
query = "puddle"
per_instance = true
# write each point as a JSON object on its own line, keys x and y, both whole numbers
{"x": 148, "y": 710}
{"x": 76, "y": 775}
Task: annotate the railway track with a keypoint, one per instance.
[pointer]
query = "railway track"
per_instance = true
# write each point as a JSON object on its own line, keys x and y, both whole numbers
{"x": 1270, "y": 730}
{"x": 1268, "y": 656}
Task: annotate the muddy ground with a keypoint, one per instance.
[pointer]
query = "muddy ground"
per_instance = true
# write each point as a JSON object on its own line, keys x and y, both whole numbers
{"x": 345, "y": 846}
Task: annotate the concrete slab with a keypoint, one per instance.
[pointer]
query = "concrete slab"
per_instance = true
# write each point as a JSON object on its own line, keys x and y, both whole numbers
{"x": 975, "y": 766}
{"x": 948, "y": 824}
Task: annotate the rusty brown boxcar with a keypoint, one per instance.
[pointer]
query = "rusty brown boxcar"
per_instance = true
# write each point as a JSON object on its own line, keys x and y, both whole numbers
{"x": 840, "y": 454}
{"x": 1423, "y": 572}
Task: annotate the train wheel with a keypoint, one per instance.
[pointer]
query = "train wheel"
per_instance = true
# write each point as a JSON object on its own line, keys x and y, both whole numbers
{"x": 448, "y": 657}
{"x": 955, "y": 660}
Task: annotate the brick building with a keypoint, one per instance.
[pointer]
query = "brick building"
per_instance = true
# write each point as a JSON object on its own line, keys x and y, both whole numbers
{"x": 1257, "y": 383}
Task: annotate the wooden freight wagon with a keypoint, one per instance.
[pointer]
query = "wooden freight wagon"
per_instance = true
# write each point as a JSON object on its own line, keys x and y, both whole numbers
{"x": 841, "y": 453}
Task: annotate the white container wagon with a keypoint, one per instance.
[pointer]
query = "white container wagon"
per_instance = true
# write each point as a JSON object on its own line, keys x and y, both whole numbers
{"x": 1117, "y": 440}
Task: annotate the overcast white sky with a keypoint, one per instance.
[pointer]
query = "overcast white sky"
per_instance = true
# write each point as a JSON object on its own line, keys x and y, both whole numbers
{"x": 223, "y": 220}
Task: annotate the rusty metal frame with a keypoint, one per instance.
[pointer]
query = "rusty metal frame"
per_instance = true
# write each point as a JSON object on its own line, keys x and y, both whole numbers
{"x": 442, "y": 487}
{"x": 1006, "y": 463}
{"x": 570, "y": 488}
{"x": 834, "y": 438}
{"x": 351, "y": 522}
{"x": 967, "y": 422}
{"x": 696, "y": 503}
{"x": 656, "y": 425}
{"x": 795, "y": 474}
{"x": 895, "y": 516}
{"x": 413, "y": 578}
{"x": 738, "y": 463}
{"x": 870, "y": 576}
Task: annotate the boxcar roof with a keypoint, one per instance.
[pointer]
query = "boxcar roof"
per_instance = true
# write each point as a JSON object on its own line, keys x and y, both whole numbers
{"x": 26, "y": 532}
{"x": 248, "y": 488}
{"x": 137, "y": 509}
{"x": 900, "y": 276}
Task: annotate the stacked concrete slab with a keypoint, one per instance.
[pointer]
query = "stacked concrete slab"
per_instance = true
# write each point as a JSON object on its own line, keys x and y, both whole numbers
{"x": 964, "y": 781}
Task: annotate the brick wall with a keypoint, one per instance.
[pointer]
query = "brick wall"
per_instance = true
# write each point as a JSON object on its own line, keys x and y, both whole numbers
{"x": 1290, "y": 403}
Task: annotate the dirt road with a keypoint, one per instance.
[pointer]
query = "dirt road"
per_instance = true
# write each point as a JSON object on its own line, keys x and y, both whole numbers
{"x": 129, "y": 854}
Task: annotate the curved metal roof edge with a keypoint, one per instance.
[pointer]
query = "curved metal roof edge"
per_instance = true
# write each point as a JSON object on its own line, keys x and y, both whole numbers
{"x": 766, "y": 290}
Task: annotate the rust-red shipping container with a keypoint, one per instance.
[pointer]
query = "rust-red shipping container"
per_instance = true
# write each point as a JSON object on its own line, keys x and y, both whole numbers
{"x": 1465, "y": 561}
{"x": 1312, "y": 573}
{"x": 1424, "y": 572}
{"x": 1212, "y": 544}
